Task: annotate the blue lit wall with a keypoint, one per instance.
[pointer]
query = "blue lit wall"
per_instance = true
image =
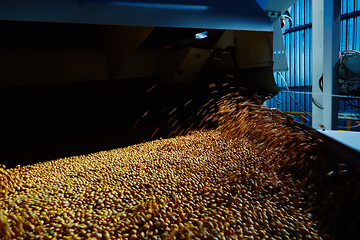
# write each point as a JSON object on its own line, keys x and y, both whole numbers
{"x": 349, "y": 40}
{"x": 298, "y": 42}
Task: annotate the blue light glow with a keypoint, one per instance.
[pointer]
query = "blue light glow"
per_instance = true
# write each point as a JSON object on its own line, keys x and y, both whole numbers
{"x": 167, "y": 6}
{"x": 201, "y": 35}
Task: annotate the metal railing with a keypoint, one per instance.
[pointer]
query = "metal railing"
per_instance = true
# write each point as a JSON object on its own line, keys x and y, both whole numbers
{"x": 350, "y": 118}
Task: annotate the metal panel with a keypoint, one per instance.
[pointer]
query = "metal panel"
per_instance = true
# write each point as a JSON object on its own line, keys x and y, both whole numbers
{"x": 331, "y": 44}
{"x": 262, "y": 3}
{"x": 297, "y": 59}
{"x": 357, "y": 32}
{"x": 344, "y": 6}
{"x": 299, "y": 47}
{"x": 212, "y": 14}
{"x": 316, "y": 76}
{"x": 279, "y": 6}
{"x": 279, "y": 53}
{"x": 308, "y": 58}
{"x": 350, "y": 40}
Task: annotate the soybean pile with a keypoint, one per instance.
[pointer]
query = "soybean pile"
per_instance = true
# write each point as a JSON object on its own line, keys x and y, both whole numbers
{"x": 256, "y": 176}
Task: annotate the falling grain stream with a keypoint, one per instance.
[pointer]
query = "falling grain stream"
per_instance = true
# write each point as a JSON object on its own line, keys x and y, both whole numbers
{"x": 256, "y": 176}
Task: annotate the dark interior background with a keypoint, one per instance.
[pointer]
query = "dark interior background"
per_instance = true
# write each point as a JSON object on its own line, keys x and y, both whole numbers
{"x": 45, "y": 122}
{"x": 48, "y": 121}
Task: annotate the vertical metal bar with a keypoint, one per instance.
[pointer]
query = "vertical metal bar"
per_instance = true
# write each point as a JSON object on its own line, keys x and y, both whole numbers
{"x": 288, "y": 50}
{"x": 311, "y": 57}
{"x": 308, "y": 104}
{"x": 346, "y": 34}
{"x": 293, "y": 105}
{"x": 330, "y": 61}
{"x": 306, "y": 12}
{"x": 310, "y": 11}
{"x": 351, "y": 6}
{"x": 296, "y": 59}
{"x": 302, "y": 57}
{"x": 299, "y": 39}
{"x": 343, "y": 6}
{"x": 307, "y": 52}
{"x": 297, "y": 12}
{"x": 350, "y": 33}
{"x": 302, "y": 102}
{"x": 307, "y": 57}
{"x": 317, "y": 59}
{"x": 357, "y": 32}
{"x": 284, "y": 102}
{"x": 346, "y": 3}
{"x": 294, "y": 108}
{"x": 353, "y": 32}
{"x": 288, "y": 102}
{"x": 326, "y": 42}
{"x": 293, "y": 58}
{"x": 301, "y": 11}
{"x": 343, "y": 35}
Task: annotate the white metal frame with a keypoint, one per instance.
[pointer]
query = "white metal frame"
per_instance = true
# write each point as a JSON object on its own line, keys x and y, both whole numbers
{"x": 326, "y": 48}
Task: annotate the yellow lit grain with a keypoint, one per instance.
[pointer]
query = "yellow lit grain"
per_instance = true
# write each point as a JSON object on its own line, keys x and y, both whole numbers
{"x": 238, "y": 181}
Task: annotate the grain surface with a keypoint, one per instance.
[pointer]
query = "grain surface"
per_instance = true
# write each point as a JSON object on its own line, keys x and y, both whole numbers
{"x": 256, "y": 176}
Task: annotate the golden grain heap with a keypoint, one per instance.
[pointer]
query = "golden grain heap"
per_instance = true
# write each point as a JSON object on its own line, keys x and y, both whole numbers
{"x": 254, "y": 177}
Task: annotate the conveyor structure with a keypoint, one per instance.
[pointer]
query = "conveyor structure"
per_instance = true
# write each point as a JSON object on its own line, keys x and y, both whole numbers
{"x": 83, "y": 76}
{"x": 100, "y": 40}
{"x": 64, "y": 58}
{"x": 72, "y": 69}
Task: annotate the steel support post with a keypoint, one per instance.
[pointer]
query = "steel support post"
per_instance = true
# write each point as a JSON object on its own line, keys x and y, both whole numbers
{"x": 326, "y": 48}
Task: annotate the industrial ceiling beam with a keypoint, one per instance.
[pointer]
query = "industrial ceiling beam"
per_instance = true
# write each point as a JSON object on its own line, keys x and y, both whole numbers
{"x": 210, "y": 14}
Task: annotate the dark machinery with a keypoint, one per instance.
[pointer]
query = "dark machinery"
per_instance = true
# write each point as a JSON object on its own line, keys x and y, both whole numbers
{"x": 80, "y": 71}
{"x": 82, "y": 76}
